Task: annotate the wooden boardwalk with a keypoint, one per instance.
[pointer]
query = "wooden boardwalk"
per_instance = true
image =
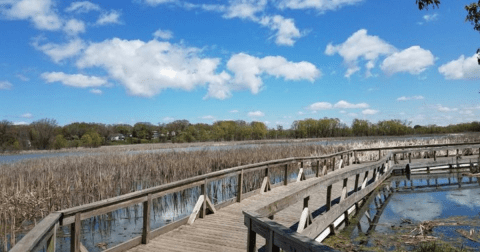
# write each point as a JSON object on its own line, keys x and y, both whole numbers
{"x": 225, "y": 230}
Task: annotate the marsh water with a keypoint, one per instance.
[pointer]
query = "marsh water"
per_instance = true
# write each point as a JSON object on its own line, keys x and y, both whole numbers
{"x": 439, "y": 208}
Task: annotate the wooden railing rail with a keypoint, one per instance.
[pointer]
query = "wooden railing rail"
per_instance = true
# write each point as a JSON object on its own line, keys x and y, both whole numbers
{"x": 45, "y": 230}
{"x": 259, "y": 219}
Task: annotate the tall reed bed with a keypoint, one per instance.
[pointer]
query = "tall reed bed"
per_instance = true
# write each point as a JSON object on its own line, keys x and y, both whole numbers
{"x": 31, "y": 189}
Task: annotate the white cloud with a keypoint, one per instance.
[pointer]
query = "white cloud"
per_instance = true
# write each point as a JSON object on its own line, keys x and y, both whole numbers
{"x": 370, "y": 112}
{"x": 466, "y": 112}
{"x": 82, "y": 7}
{"x": 346, "y": 105}
{"x": 352, "y": 114}
{"x": 234, "y": 111}
{"x": 286, "y": 32}
{"x": 168, "y": 119}
{"x": 20, "y": 123}
{"x": 147, "y": 68}
{"x": 6, "y": 85}
{"x": 248, "y": 69}
{"x": 257, "y": 113}
{"x": 111, "y": 17}
{"x": 319, "y": 5}
{"x": 431, "y": 17}
{"x": 319, "y": 106}
{"x": 462, "y": 68}
{"x": 245, "y": 9}
{"x": 342, "y": 112}
{"x": 441, "y": 108}
{"x": 208, "y": 117}
{"x": 96, "y": 91}
{"x": 27, "y": 115}
{"x": 157, "y": 2}
{"x": 413, "y": 60}
{"x": 360, "y": 45}
{"x": 407, "y": 98}
{"x": 22, "y": 77}
{"x": 40, "y": 12}
{"x": 74, "y": 27}
{"x": 75, "y": 80}
{"x": 59, "y": 52}
{"x": 163, "y": 34}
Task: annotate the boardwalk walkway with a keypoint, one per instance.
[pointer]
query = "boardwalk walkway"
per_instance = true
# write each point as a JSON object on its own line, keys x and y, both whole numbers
{"x": 225, "y": 230}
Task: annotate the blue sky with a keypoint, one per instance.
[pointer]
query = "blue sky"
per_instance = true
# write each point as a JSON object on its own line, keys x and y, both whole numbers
{"x": 274, "y": 61}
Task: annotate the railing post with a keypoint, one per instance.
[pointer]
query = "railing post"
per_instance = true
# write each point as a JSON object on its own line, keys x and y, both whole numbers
{"x": 324, "y": 169}
{"x": 434, "y": 155}
{"x": 357, "y": 179}
{"x": 409, "y": 157}
{"x": 51, "y": 242}
{"x": 329, "y": 197}
{"x": 395, "y": 158}
{"x": 146, "y": 219}
{"x": 306, "y": 216}
{"x": 251, "y": 237}
{"x": 269, "y": 243}
{"x": 344, "y": 190}
{"x": 285, "y": 181}
{"x": 333, "y": 164}
{"x": 240, "y": 186}
{"x": 355, "y": 160}
{"x": 203, "y": 191}
{"x": 447, "y": 153}
{"x": 456, "y": 157}
{"x": 379, "y": 154}
{"x": 365, "y": 180}
{"x": 75, "y": 234}
{"x": 341, "y": 162}
{"x": 266, "y": 182}
{"x": 318, "y": 168}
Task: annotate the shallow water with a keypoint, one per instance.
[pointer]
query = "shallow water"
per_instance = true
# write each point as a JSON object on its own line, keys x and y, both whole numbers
{"x": 404, "y": 209}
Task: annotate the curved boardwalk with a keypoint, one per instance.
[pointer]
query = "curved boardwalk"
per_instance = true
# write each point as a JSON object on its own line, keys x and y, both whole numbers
{"x": 225, "y": 230}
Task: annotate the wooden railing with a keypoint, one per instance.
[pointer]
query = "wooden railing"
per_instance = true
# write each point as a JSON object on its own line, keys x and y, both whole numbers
{"x": 43, "y": 235}
{"x": 259, "y": 219}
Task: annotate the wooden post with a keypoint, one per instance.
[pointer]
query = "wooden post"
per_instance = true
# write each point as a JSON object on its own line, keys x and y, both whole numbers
{"x": 75, "y": 234}
{"x": 355, "y": 158}
{"x": 395, "y": 158}
{"x": 357, "y": 179}
{"x": 333, "y": 164}
{"x": 447, "y": 153}
{"x": 203, "y": 191}
{"x": 285, "y": 181}
{"x": 324, "y": 169}
{"x": 251, "y": 237}
{"x": 269, "y": 243}
{"x": 365, "y": 180}
{"x": 329, "y": 197}
{"x": 434, "y": 155}
{"x": 341, "y": 162}
{"x": 318, "y": 168}
{"x": 379, "y": 154}
{"x": 344, "y": 190}
{"x": 240, "y": 186}
{"x": 146, "y": 219}
{"x": 51, "y": 242}
{"x": 409, "y": 157}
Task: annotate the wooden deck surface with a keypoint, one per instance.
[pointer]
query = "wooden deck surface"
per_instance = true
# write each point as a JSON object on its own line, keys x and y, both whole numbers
{"x": 225, "y": 230}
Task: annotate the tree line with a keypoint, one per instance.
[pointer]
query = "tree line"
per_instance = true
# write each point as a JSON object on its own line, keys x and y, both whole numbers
{"x": 47, "y": 134}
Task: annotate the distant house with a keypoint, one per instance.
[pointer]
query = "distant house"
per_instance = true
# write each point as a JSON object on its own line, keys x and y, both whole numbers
{"x": 116, "y": 137}
{"x": 155, "y": 135}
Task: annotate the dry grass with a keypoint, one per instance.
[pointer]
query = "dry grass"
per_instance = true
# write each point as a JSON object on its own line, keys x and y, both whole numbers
{"x": 31, "y": 189}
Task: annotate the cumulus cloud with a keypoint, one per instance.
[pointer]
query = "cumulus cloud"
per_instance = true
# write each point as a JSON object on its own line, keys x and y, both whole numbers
{"x": 320, "y": 106}
{"x": 5, "y": 85}
{"x": 257, "y": 113}
{"x": 163, "y": 34}
{"x": 245, "y": 9}
{"x": 82, "y": 7}
{"x": 413, "y": 60}
{"x": 319, "y": 5}
{"x": 22, "y": 77}
{"x": 112, "y": 17}
{"x": 40, "y": 12}
{"x": 147, "y": 68}
{"x": 234, "y": 111}
{"x": 157, "y": 2}
{"x": 346, "y": 105}
{"x": 74, "y": 27}
{"x": 407, "y": 98}
{"x": 370, "y": 112}
{"x": 247, "y": 70}
{"x": 461, "y": 69}
{"x": 75, "y": 80}
{"x": 286, "y": 31}
{"x": 360, "y": 45}
{"x": 27, "y": 115}
{"x": 59, "y": 52}
{"x": 168, "y": 119}
{"x": 441, "y": 108}
{"x": 96, "y": 91}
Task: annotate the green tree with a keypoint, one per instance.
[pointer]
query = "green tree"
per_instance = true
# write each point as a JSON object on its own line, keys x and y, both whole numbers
{"x": 44, "y": 130}
{"x": 60, "y": 142}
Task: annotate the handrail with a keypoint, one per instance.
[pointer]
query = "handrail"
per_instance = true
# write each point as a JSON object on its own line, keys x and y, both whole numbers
{"x": 259, "y": 218}
{"x": 74, "y": 215}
